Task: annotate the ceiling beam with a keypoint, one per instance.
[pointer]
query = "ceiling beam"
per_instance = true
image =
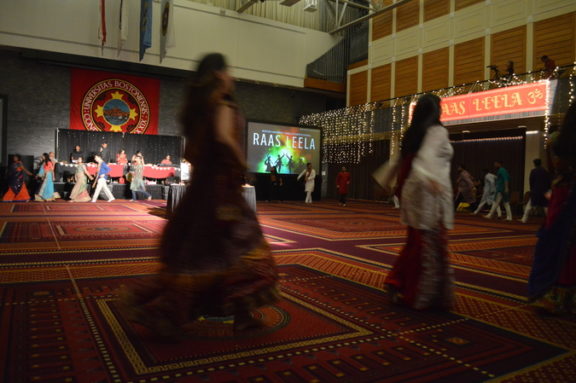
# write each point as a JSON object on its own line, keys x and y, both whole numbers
{"x": 353, "y": 4}
{"x": 246, "y": 5}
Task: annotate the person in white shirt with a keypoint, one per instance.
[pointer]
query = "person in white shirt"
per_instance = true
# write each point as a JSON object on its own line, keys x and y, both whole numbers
{"x": 185, "y": 171}
{"x": 309, "y": 175}
{"x": 488, "y": 193}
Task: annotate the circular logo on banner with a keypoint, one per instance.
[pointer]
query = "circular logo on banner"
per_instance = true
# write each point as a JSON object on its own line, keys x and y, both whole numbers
{"x": 115, "y": 105}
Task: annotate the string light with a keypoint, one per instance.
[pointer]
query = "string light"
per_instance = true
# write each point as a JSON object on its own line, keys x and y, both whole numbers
{"x": 571, "y": 81}
{"x": 347, "y": 133}
{"x": 547, "y": 112}
{"x": 492, "y": 139}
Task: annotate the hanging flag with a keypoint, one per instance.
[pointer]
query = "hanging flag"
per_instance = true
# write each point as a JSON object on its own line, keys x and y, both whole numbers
{"x": 113, "y": 102}
{"x": 167, "y": 35}
{"x": 122, "y": 25}
{"x": 145, "y": 26}
{"x": 102, "y": 25}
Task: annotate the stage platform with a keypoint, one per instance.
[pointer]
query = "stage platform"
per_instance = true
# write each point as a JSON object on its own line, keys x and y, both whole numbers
{"x": 120, "y": 191}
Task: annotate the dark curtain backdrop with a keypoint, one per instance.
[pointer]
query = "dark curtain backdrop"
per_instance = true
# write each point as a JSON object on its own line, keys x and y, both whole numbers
{"x": 362, "y": 185}
{"x": 475, "y": 155}
{"x": 153, "y": 147}
{"x": 478, "y": 155}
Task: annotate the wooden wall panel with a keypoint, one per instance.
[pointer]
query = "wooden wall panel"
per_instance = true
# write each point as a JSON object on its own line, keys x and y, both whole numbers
{"x": 469, "y": 61}
{"x": 358, "y": 64}
{"x": 435, "y": 8}
{"x": 509, "y": 45}
{"x": 358, "y": 88}
{"x": 382, "y": 24}
{"x": 435, "y": 69}
{"x": 554, "y": 37}
{"x": 466, "y": 3}
{"x": 406, "y": 77}
{"x": 381, "y": 82}
{"x": 407, "y": 15}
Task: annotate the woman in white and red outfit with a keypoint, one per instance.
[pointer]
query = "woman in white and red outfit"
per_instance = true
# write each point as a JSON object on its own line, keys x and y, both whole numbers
{"x": 422, "y": 277}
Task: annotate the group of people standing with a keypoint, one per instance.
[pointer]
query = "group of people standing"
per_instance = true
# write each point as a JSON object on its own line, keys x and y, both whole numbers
{"x": 308, "y": 177}
{"x": 18, "y": 191}
{"x": 496, "y": 191}
{"x": 80, "y": 192}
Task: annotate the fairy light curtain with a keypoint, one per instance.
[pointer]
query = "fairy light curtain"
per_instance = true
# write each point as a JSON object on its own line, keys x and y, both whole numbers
{"x": 347, "y": 134}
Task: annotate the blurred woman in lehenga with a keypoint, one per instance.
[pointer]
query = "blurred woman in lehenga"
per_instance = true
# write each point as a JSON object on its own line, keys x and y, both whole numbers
{"x": 46, "y": 173}
{"x": 422, "y": 277}
{"x": 215, "y": 260}
{"x": 17, "y": 191}
{"x": 80, "y": 192}
{"x": 552, "y": 283}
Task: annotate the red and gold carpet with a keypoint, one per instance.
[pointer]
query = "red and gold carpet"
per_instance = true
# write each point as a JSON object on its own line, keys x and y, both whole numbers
{"x": 62, "y": 266}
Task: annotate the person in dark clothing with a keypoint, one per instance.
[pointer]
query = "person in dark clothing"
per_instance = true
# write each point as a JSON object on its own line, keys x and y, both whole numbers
{"x": 549, "y": 66}
{"x": 104, "y": 152}
{"x": 540, "y": 182}
{"x": 76, "y": 154}
{"x": 276, "y": 183}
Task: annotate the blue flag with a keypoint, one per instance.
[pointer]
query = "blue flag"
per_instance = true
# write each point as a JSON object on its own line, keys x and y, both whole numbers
{"x": 145, "y": 26}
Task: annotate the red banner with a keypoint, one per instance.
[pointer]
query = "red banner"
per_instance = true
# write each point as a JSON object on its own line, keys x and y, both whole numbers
{"x": 110, "y": 102}
{"x": 503, "y": 102}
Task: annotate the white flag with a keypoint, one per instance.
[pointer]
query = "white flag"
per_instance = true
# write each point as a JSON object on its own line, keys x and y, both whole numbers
{"x": 167, "y": 34}
{"x": 102, "y": 24}
{"x": 122, "y": 25}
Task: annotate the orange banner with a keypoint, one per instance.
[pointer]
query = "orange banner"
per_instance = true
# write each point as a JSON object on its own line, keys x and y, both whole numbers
{"x": 497, "y": 102}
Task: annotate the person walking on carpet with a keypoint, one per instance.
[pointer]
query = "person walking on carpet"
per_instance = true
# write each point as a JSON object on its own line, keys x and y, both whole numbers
{"x": 101, "y": 180}
{"x": 502, "y": 191}
{"x": 466, "y": 191}
{"x": 214, "y": 258}
{"x": 540, "y": 181}
{"x": 46, "y": 174}
{"x": 342, "y": 182}
{"x": 552, "y": 282}
{"x": 17, "y": 190}
{"x": 488, "y": 193}
{"x": 422, "y": 277}
{"x": 79, "y": 192}
{"x": 137, "y": 180}
{"x": 309, "y": 176}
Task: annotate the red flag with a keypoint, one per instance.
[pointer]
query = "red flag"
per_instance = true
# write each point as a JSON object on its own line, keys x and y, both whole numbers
{"x": 111, "y": 102}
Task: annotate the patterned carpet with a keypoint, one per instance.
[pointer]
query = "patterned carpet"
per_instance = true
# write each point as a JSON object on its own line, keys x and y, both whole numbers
{"x": 63, "y": 264}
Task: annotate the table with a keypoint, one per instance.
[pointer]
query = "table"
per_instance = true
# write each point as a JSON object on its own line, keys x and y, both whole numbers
{"x": 117, "y": 171}
{"x": 158, "y": 172}
{"x": 249, "y": 193}
{"x": 175, "y": 194}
